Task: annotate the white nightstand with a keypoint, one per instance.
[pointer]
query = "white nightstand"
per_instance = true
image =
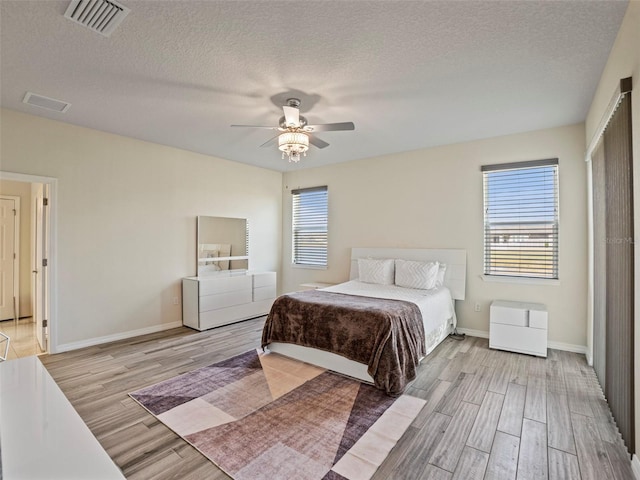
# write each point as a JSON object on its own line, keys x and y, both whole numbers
{"x": 518, "y": 327}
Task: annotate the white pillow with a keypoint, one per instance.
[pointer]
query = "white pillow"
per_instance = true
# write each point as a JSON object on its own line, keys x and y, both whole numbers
{"x": 374, "y": 270}
{"x": 422, "y": 275}
{"x": 442, "y": 269}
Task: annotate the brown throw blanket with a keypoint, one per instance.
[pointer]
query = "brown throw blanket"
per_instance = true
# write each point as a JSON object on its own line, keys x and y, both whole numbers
{"x": 386, "y": 335}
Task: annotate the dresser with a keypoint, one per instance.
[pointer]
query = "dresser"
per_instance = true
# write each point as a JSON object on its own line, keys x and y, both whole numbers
{"x": 226, "y": 297}
{"x": 518, "y": 327}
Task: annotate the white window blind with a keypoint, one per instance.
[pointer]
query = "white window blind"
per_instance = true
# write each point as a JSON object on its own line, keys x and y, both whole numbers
{"x": 310, "y": 220}
{"x": 521, "y": 219}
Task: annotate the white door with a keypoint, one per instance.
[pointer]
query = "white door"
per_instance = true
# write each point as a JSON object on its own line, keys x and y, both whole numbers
{"x": 40, "y": 271}
{"x": 7, "y": 251}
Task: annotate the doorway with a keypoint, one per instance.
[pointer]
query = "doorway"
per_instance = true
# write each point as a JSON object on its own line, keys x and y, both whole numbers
{"x": 32, "y": 330}
{"x": 9, "y": 256}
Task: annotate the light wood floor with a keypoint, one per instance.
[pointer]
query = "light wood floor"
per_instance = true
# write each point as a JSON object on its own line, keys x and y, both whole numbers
{"x": 23, "y": 338}
{"x": 490, "y": 414}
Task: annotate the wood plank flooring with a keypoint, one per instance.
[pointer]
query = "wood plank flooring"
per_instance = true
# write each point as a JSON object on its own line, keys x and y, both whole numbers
{"x": 489, "y": 414}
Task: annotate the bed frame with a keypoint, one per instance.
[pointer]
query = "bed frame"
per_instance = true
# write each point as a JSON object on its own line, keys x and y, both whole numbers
{"x": 455, "y": 280}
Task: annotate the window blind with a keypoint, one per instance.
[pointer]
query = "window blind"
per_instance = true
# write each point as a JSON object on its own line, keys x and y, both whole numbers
{"x": 521, "y": 219}
{"x": 309, "y": 226}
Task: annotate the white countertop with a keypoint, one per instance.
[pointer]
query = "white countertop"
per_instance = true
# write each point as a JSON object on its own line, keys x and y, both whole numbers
{"x": 227, "y": 273}
{"x": 41, "y": 435}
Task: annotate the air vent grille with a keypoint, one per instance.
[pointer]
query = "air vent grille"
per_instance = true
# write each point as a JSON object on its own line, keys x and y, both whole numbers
{"x": 102, "y": 16}
{"x": 45, "y": 102}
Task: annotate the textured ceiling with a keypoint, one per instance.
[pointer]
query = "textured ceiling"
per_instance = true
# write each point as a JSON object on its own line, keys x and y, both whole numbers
{"x": 409, "y": 74}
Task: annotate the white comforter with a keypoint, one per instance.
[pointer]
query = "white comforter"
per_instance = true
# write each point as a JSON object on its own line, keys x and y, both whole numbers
{"x": 436, "y": 305}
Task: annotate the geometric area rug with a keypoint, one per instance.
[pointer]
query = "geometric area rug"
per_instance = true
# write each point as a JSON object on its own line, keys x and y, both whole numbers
{"x": 265, "y": 416}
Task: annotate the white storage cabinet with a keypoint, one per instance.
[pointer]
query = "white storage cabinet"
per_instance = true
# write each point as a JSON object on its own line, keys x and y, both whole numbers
{"x": 518, "y": 327}
{"x": 227, "y": 297}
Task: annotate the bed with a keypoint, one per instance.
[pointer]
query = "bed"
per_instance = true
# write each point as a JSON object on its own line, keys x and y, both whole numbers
{"x": 349, "y": 305}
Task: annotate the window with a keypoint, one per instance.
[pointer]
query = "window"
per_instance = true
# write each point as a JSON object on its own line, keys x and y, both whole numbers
{"x": 521, "y": 219}
{"x": 310, "y": 219}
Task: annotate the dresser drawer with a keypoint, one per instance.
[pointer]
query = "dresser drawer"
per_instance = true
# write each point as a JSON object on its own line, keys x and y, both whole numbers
{"x": 224, "y": 316}
{"x": 509, "y": 315}
{"x": 225, "y": 284}
{"x": 223, "y": 300}
{"x": 518, "y": 339}
{"x": 263, "y": 293}
{"x": 538, "y": 319}
{"x": 266, "y": 279}
{"x": 519, "y": 314}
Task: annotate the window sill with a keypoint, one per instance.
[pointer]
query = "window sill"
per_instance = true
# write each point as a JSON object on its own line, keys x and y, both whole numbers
{"x": 520, "y": 280}
{"x": 309, "y": 267}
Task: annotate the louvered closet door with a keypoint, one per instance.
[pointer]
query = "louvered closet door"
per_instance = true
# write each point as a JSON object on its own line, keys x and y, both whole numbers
{"x": 599, "y": 265}
{"x": 613, "y": 268}
{"x": 619, "y": 224}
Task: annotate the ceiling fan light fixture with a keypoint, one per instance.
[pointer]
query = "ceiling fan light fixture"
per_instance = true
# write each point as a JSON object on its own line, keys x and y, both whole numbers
{"x": 296, "y": 134}
{"x": 293, "y": 144}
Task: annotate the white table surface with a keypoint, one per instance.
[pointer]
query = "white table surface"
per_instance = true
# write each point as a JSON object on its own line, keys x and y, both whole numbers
{"x": 41, "y": 435}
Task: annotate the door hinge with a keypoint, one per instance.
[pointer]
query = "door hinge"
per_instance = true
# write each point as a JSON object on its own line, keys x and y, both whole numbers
{"x": 45, "y": 201}
{"x": 14, "y": 256}
{"x": 45, "y": 323}
{"x": 15, "y": 212}
{"x": 45, "y": 262}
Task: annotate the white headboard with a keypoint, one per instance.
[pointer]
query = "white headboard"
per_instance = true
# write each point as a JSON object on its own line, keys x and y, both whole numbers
{"x": 456, "y": 261}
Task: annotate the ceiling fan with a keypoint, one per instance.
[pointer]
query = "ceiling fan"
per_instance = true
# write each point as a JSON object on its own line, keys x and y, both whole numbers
{"x": 295, "y": 134}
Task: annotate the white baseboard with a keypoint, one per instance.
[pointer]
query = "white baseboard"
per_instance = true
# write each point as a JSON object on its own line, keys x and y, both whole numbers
{"x": 635, "y": 466}
{"x": 473, "y": 333}
{"x": 589, "y": 359}
{"x": 568, "y": 347}
{"x": 90, "y": 342}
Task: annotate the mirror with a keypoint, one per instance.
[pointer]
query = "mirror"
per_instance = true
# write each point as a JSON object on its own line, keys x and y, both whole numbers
{"x": 223, "y": 244}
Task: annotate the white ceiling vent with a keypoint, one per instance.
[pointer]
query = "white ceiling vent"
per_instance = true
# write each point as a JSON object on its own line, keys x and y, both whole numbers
{"x": 102, "y": 16}
{"x": 45, "y": 102}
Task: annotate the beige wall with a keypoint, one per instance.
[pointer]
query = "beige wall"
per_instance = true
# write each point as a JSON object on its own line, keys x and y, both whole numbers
{"x": 127, "y": 219}
{"x": 22, "y": 190}
{"x": 433, "y": 199}
{"x": 624, "y": 61}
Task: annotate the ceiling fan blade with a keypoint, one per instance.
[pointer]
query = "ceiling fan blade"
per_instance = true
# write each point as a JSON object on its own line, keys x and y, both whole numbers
{"x": 330, "y": 127}
{"x": 315, "y": 141}
{"x": 270, "y": 142}
{"x": 256, "y": 126}
{"x": 291, "y": 116}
